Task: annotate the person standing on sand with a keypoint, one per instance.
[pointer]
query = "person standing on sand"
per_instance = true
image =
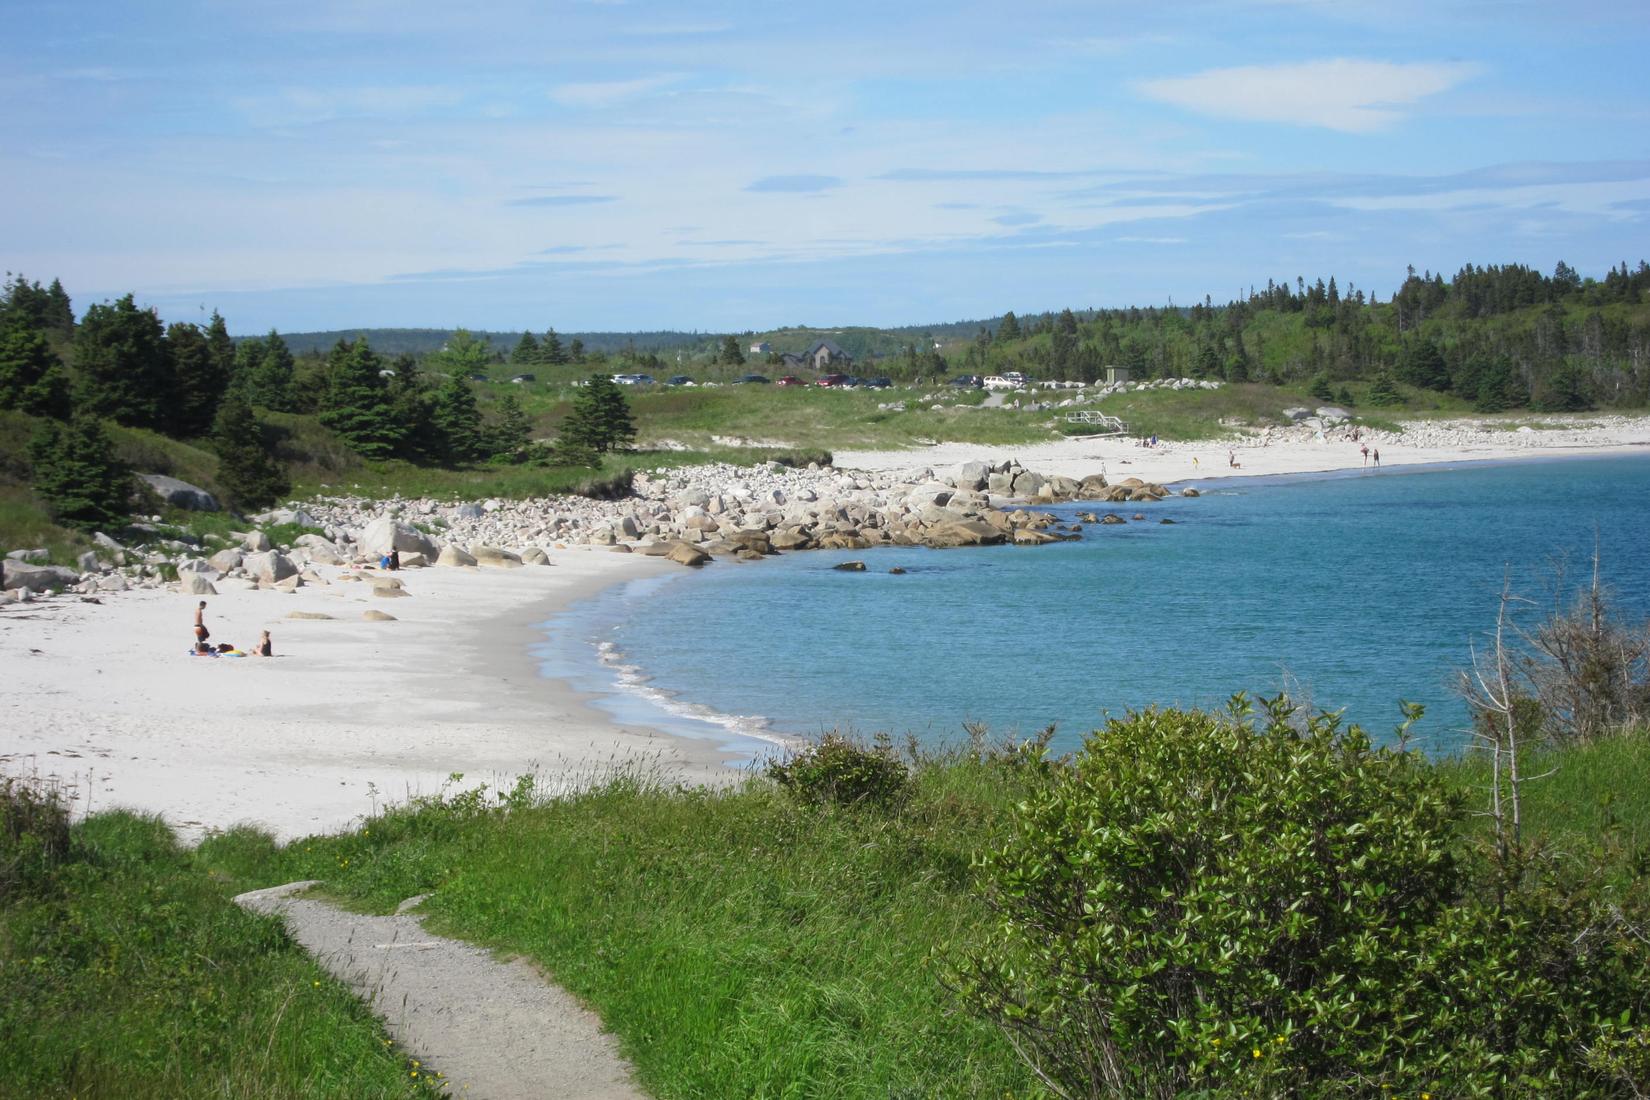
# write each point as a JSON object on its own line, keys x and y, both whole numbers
{"x": 1377, "y": 456}
{"x": 1365, "y": 449}
{"x": 201, "y": 633}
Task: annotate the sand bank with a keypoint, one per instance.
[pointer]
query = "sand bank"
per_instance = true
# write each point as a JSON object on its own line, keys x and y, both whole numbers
{"x": 1421, "y": 443}
{"x": 350, "y": 711}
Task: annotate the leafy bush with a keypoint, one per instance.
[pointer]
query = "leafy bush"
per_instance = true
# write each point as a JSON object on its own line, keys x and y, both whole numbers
{"x": 614, "y": 486}
{"x": 841, "y": 772}
{"x": 34, "y": 833}
{"x": 1198, "y": 905}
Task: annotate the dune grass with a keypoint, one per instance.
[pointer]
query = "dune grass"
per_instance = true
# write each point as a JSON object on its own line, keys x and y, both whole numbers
{"x": 129, "y": 972}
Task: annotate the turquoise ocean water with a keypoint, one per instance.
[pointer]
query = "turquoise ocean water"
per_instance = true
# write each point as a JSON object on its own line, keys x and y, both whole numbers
{"x": 1355, "y": 589}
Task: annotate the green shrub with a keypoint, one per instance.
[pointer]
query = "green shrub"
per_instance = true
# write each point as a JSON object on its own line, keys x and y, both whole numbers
{"x": 841, "y": 772}
{"x": 614, "y": 486}
{"x": 1200, "y": 906}
{"x": 34, "y": 833}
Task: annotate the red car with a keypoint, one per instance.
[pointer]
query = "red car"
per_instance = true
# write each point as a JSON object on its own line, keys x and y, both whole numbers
{"x": 833, "y": 380}
{"x": 789, "y": 380}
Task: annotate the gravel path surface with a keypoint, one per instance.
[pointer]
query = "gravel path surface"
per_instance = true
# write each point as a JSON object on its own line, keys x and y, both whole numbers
{"x": 497, "y": 1030}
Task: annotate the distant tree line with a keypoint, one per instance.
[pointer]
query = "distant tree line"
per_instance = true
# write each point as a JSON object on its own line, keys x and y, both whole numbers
{"x": 1501, "y": 337}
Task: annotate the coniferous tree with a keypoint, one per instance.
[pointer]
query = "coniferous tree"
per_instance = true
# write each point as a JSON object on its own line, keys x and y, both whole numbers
{"x": 600, "y": 418}
{"x": 731, "y": 355}
{"x": 1423, "y": 365}
{"x": 526, "y": 352}
{"x": 509, "y": 431}
{"x": 1385, "y": 391}
{"x": 456, "y": 420}
{"x": 248, "y": 472}
{"x": 575, "y": 350}
{"x": 274, "y": 379}
{"x": 78, "y": 475}
{"x": 411, "y": 405}
{"x": 122, "y": 370}
{"x": 198, "y": 380}
{"x": 550, "y": 349}
{"x": 32, "y": 378}
{"x": 356, "y": 403}
{"x": 222, "y": 346}
{"x": 1009, "y": 327}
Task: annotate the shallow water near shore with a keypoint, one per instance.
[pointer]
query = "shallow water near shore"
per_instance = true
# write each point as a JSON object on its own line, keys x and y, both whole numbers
{"x": 1351, "y": 590}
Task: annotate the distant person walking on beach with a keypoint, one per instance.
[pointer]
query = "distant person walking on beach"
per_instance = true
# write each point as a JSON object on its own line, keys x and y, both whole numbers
{"x": 1231, "y": 460}
{"x": 1365, "y": 449}
{"x": 1377, "y": 456}
{"x": 201, "y": 633}
{"x": 1195, "y": 464}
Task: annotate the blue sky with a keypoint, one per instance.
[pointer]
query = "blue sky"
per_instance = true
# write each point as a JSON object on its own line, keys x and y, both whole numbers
{"x": 625, "y": 164}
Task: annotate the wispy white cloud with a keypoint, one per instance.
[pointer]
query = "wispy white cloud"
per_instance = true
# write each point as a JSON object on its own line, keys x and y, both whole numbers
{"x": 608, "y": 93}
{"x": 1347, "y": 94}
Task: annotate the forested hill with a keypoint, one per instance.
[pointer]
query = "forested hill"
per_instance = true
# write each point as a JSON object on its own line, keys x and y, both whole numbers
{"x": 423, "y": 341}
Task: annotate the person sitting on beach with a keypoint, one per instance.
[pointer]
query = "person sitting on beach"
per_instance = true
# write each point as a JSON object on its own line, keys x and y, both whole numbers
{"x": 202, "y": 649}
{"x": 395, "y": 561}
{"x": 264, "y": 648}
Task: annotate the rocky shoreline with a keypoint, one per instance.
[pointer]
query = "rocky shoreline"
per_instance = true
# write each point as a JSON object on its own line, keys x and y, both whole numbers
{"x": 691, "y": 515}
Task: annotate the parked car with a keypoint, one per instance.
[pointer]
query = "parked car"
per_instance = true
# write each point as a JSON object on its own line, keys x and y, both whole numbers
{"x": 679, "y": 380}
{"x": 633, "y": 379}
{"x": 968, "y": 381}
{"x": 790, "y": 380}
{"x": 1002, "y": 382}
{"x": 750, "y": 379}
{"x": 832, "y": 380}
{"x": 880, "y": 383}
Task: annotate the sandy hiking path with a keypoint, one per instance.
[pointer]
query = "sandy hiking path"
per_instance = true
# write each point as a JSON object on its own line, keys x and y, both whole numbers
{"x": 493, "y": 1028}
{"x": 349, "y": 715}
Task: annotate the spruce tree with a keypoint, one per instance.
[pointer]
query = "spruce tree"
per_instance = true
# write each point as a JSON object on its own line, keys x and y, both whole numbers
{"x": 527, "y": 351}
{"x": 1009, "y": 327}
{"x": 731, "y": 355}
{"x": 509, "y": 431}
{"x": 222, "y": 346}
{"x": 550, "y": 349}
{"x": 32, "y": 379}
{"x": 76, "y": 472}
{"x": 1385, "y": 391}
{"x": 199, "y": 379}
{"x": 456, "y": 420}
{"x": 273, "y": 387}
{"x": 600, "y": 418}
{"x": 575, "y": 350}
{"x": 122, "y": 370}
{"x": 248, "y": 472}
{"x": 356, "y": 403}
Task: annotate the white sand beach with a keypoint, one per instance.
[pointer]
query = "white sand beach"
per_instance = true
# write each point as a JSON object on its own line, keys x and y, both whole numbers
{"x": 107, "y": 697}
{"x": 1291, "y": 451}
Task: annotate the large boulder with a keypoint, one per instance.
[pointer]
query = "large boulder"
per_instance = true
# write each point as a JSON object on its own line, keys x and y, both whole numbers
{"x": 225, "y": 561}
{"x": 181, "y": 494}
{"x": 972, "y": 475}
{"x": 452, "y": 556}
{"x": 684, "y": 554}
{"x": 196, "y": 584}
{"x": 384, "y": 534}
{"x": 269, "y": 567}
{"x": 494, "y": 557}
{"x": 965, "y": 532}
{"x": 535, "y": 555}
{"x": 36, "y": 578}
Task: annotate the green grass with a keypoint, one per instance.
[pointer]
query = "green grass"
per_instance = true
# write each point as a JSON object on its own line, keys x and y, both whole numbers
{"x": 1592, "y": 798}
{"x": 130, "y": 973}
{"x": 738, "y": 943}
